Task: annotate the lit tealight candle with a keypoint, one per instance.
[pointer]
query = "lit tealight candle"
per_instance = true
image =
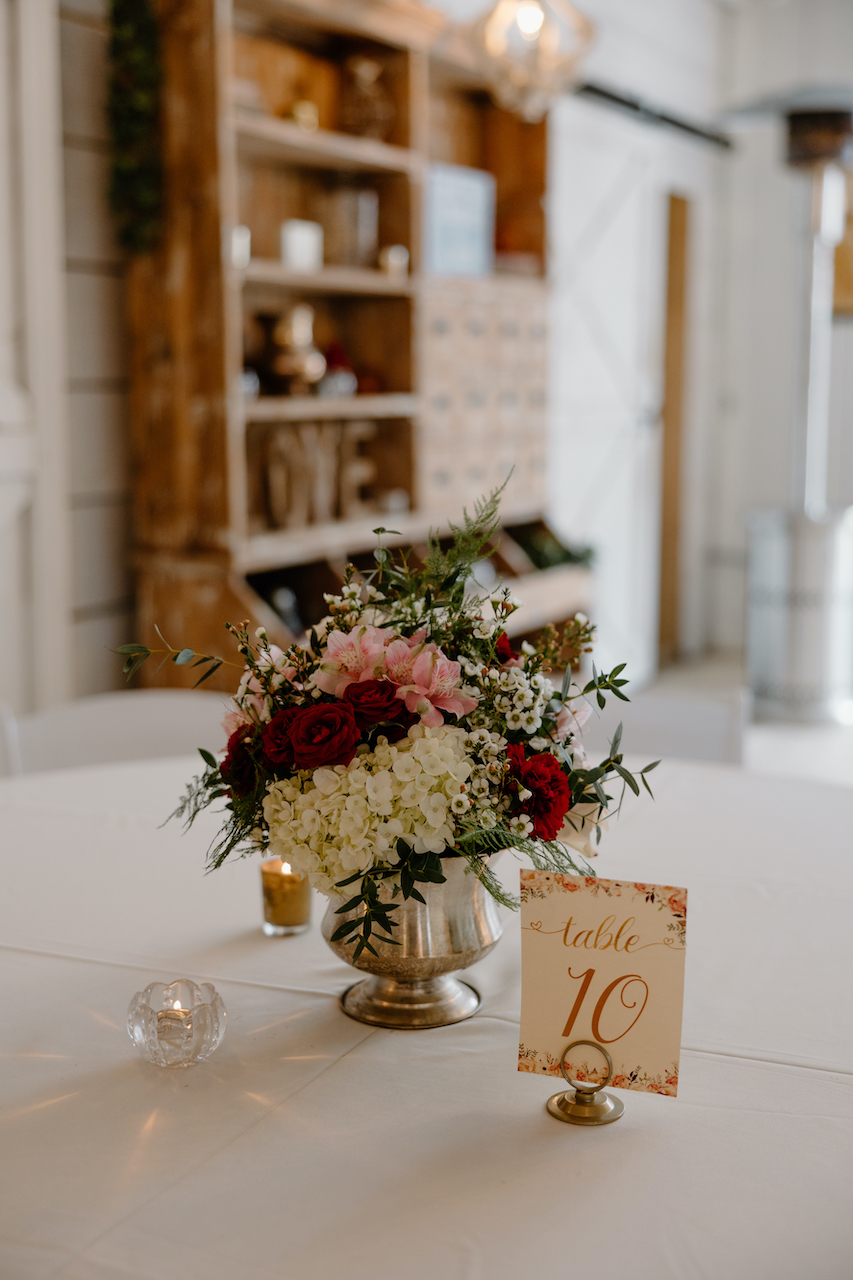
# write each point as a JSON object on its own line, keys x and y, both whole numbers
{"x": 174, "y": 1025}
{"x": 287, "y": 899}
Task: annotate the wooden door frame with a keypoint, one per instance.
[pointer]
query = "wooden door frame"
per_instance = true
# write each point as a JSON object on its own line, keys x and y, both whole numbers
{"x": 669, "y": 629}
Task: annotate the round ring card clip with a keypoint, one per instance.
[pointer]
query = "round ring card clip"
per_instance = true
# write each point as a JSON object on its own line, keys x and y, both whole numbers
{"x": 587, "y": 1103}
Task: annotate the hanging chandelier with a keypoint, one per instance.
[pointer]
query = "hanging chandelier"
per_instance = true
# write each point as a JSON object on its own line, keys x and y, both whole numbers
{"x": 529, "y": 50}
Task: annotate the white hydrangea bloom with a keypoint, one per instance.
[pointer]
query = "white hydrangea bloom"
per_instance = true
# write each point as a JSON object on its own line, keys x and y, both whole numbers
{"x": 334, "y": 822}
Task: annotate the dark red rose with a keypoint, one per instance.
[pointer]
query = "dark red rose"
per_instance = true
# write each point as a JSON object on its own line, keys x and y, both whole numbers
{"x": 278, "y": 748}
{"x": 401, "y": 725}
{"x": 376, "y": 702}
{"x": 238, "y": 770}
{"x": 503, "y": 648}
{"x": 549, "y": 802}
{"x": 373, "y": 701}
{"x": 324, "y": 734}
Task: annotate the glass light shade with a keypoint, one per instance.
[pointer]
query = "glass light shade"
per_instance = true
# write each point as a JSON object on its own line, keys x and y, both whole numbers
{"x": 529, "y": 51}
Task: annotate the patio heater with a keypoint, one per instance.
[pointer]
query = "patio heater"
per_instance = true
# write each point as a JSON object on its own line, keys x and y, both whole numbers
{"x": 800, "y": 565}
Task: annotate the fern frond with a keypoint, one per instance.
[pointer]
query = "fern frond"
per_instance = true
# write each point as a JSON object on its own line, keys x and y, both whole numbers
{"x": 469, "y": 538}
{"x": 236, "y": 834}
{"x": 546, "y": 855}
{"x": 487, "y": 877}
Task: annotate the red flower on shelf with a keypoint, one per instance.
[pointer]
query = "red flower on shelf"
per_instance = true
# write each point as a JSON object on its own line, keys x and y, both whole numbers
{"x": 550, "y": 797}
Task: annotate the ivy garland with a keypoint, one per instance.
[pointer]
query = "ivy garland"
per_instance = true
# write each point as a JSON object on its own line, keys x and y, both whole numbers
{"x": 133, "y": 113}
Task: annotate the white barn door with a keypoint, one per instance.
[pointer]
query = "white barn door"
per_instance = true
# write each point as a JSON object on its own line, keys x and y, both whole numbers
{"x": 610, "y": 179}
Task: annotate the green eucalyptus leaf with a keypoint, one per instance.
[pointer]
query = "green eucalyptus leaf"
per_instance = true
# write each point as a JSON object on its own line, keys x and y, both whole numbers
{"x": 349, "y": 906}
{"x": 217, "y": 663}
{"x": 617, "y": 738}
{"x": 343, "y": 930}
{"x": 627, "y": 778}
{"x": 341, "y": 884}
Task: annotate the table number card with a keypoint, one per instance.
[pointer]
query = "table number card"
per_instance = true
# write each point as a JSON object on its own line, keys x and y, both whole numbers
{"x": 602, "y": 960}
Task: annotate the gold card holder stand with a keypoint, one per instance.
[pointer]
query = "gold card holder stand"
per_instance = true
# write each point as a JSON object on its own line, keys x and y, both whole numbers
{"x": 585, "y": 1103}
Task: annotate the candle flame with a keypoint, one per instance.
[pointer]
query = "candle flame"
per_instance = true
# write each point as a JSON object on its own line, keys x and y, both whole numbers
{"x": 176, "y": 1005}
{"x": 285, "y": 868}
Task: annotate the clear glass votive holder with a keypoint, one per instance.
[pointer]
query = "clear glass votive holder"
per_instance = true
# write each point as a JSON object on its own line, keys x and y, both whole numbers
{"x": 287, "y": 899}
{"x": 177, "y": 1024}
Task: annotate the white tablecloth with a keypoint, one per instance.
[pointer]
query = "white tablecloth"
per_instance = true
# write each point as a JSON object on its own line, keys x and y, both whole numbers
{"x": 313, "y": 1146}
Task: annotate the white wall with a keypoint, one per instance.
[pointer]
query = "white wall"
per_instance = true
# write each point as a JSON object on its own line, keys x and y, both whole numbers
{"x": 607, "y": 426}
{"x": 17, "y": 456}
{"x": 97, "y": 376}
{"x": 608, "y": 223}
{"x": 609, "y": 182}
{"x": 778, "y": 45}
{"x": 35, "y": 648}
{"x": 64, "y": 593}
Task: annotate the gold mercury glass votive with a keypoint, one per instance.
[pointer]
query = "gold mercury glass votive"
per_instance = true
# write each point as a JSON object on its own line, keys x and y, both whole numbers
{"x": 287, "y": 899}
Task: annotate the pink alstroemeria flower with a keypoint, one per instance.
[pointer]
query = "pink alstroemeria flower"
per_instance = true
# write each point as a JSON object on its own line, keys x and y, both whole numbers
{"x": 249, "y": 705}
{"x": 232, "y": 720}
{"x": 401, "y": 656}
{"x": 357, "y": 656}
{"x": 571, "y": 719}
{"x": 434, "y": 688}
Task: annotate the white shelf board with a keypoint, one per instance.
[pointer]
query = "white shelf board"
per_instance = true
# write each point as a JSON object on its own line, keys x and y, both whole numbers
{"x": 275, "y": 139}
{"x": 323, "y": 541}
{"x": 313, "y": 408}
{"x": 548, "y": 595}
{"x": 353, "y": 280}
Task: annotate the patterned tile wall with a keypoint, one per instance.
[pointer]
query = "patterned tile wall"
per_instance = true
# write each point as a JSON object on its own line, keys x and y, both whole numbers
{"x": 483, "y": 374}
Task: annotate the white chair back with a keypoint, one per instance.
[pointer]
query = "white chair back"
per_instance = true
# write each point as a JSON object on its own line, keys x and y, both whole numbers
{"x": 661, "y": 725}
{"x": 136, "y": 724}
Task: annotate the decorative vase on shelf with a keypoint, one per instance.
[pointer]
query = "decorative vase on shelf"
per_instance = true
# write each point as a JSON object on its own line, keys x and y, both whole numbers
{"x": 367, "y": 108}
{"x": 411, "y": 987}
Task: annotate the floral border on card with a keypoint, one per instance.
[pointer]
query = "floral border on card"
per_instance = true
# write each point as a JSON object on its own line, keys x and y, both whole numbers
{"x": 666, "y": 897}
{"x": 546, "y": 1064}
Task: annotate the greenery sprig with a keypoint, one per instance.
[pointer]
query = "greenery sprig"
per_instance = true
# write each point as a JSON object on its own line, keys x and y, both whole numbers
{"x": 135, "y": 654}
{"x": 133, "y": 114}
{"x": 413, "y": 869}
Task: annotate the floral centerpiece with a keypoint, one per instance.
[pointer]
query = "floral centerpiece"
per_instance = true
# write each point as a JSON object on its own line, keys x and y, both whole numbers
{"x": 406, "y": 731}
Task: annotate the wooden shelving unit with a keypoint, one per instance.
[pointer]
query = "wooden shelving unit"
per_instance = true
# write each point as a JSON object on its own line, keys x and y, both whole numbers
{"x": 344, "y": 280}
{"x": 240, "y": 500}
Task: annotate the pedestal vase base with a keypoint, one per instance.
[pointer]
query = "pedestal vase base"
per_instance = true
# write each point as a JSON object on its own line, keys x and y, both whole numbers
{"x": 410, "y": 1006}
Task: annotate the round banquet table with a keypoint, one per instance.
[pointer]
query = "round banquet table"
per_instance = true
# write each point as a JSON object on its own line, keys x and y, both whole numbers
{"x": 313, "y": 1146}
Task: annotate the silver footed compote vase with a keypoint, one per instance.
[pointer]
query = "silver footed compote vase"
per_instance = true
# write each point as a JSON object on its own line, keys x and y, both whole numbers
{"x": 411, "y": 987}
